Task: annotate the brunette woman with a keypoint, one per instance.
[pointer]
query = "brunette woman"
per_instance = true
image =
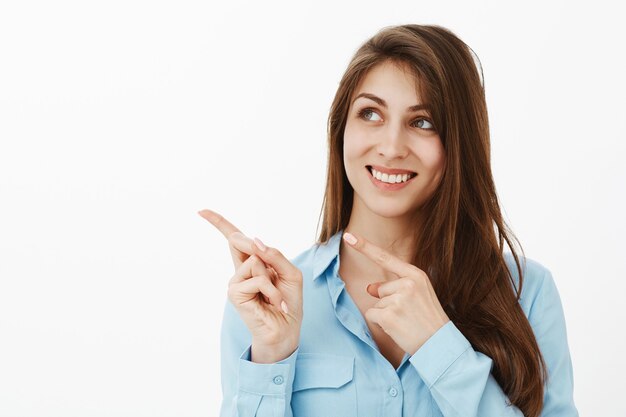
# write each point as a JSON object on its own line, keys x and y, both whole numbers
{"x": 407, "y": 304}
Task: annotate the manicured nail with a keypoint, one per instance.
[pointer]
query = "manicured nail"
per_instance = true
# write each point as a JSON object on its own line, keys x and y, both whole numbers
{"x": 349, "y": 238}
{"x": 259, "y": 244}
{"x": 283, "y": 305}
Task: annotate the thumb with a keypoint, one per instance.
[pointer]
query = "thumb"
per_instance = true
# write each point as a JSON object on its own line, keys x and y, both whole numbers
{"x": 372, "y": 289}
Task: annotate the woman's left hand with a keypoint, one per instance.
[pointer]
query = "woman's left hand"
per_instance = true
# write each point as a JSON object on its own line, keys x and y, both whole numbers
{"x": 409, "y": 310}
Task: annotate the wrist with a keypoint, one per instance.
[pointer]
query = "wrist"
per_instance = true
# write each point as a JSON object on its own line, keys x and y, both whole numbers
{"x": 260, "y": 353}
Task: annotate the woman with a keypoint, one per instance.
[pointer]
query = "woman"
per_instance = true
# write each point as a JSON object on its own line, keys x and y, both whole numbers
{"x": 417, "y": 311}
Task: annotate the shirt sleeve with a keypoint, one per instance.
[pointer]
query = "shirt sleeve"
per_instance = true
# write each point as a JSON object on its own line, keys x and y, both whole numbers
{"x": 460, "y": 380}
{"x": 251, "y": 389}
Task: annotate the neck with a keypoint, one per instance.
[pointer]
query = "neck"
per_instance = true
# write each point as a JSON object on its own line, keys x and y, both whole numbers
{"x": 395, "y": 235}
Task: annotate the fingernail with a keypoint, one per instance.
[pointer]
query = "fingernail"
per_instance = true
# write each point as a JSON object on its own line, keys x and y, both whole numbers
{"x": 283, "y": 305}
{"x": 349, "y": 238}
{"x": 259, "y": 244}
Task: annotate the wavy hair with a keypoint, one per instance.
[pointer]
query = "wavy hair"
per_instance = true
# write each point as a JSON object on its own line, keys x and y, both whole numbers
{"x": 461, "y": 240}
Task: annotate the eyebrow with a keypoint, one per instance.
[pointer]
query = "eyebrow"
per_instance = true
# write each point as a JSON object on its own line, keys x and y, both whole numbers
{"x": 384, "y": 103}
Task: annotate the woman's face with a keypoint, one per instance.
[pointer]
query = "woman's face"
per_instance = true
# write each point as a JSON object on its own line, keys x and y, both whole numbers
{"x": 385, "y": 131}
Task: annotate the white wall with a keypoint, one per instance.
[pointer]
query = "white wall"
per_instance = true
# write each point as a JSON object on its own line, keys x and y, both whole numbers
{"x": 119, "y": 120}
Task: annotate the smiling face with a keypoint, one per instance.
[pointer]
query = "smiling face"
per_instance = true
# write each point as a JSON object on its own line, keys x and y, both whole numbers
{"x": 386, "y": 128}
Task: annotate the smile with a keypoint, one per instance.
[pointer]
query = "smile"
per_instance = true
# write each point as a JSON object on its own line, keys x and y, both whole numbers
{"x": 388, "y": 182}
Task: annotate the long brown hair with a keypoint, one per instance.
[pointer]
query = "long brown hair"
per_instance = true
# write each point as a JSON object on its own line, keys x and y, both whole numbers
{"x": 461, "y": 241}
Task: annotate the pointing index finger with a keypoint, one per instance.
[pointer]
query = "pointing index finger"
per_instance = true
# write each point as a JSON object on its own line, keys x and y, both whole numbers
{"x": 220, "y": 223}
{"x": 377, "y": 254}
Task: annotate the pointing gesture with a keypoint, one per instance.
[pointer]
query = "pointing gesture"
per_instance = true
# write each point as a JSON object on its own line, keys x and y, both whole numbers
{"x": 266, "y": 290}
{"x": 240, "y": 246}
{"x": 409, "y": 310}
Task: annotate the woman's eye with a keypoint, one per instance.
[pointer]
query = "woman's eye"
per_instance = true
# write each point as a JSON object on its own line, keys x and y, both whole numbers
{"x": 363, "y": 114}
{"x": 419, "y": 123}
{"x": 429, "y": 125}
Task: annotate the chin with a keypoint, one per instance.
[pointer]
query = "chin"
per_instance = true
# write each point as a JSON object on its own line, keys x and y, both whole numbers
{"x": 392, "y": 213}
{"x": 388, "y": 209}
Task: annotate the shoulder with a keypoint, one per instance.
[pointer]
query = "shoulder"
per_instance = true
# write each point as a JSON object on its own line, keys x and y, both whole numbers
{"x": 305, "y": 259}
{"x": 538, "y": 286}
{"x": 542, "y": 305}
{"x": 318, "y": 256}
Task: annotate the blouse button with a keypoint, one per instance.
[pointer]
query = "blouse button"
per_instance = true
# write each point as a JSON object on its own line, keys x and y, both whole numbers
{"x": 278, "y": 380}
{"x": 393, "y": 392}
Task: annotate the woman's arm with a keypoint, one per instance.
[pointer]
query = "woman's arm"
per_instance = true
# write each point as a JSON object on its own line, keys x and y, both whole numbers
{"x": 251, "y": 389}
{"x": 460, "y": 379}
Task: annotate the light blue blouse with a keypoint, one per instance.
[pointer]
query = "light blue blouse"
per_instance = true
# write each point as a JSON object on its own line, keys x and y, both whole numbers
{"x": 338, "y": 370}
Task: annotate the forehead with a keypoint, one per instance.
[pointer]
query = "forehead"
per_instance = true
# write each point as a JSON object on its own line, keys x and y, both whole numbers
{"x": 392, "y": 82}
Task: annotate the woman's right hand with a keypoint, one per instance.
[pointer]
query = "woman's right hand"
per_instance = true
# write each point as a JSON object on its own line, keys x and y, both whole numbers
{"x": 262, "y": 276}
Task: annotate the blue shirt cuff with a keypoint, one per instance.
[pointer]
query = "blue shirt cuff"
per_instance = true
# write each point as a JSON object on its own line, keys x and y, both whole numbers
{"x": 267, "y": 378}
{"x": 439, "y": 352}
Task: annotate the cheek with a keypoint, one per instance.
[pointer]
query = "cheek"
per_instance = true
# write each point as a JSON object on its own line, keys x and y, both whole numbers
{"x": 354, "y": 144}
{"x": 437, "y": 166}
{"x": 433, "y": 157}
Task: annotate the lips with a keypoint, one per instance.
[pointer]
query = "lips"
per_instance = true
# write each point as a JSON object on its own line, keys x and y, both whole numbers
{"x": 387, "y": 186}
{"x": 389, "y": 171}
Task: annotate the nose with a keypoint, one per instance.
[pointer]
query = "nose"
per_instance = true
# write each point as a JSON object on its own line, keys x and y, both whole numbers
{"x": 393, "y": 143}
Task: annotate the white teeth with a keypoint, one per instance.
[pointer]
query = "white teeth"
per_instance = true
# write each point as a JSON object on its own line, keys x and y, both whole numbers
{"x": 391, "y": 179}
